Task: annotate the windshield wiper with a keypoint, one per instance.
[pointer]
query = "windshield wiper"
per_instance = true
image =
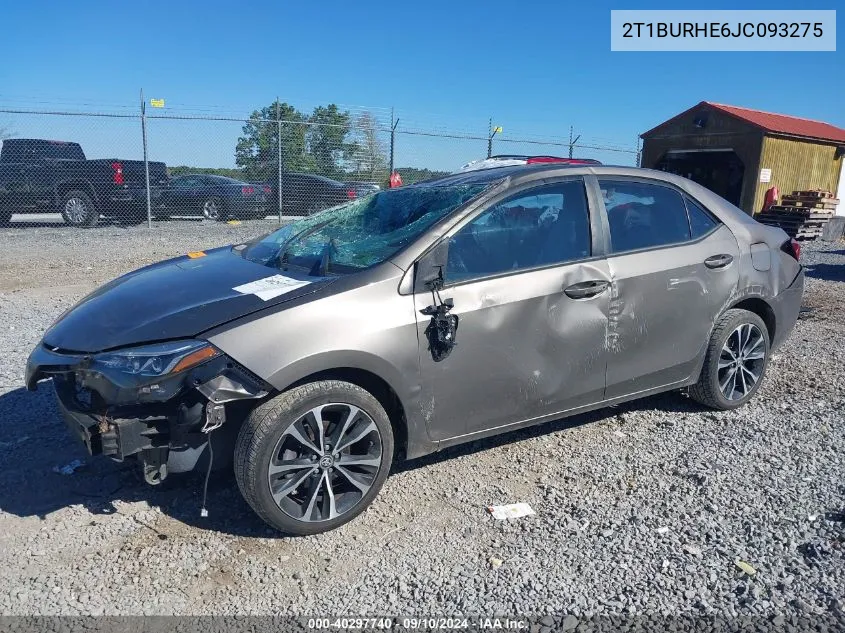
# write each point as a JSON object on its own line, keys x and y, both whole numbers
{"x": 283, "y": 249}
{"x": 321, "y": 266}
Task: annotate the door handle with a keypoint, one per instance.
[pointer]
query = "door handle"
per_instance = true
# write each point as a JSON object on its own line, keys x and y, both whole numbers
{"x": 586, "y": 289}
{"x": 718, "y": 261}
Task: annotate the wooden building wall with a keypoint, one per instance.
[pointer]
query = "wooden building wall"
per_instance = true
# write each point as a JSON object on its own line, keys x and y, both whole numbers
{"x": 722, "y": 131}
{"x": 796, "y": 165}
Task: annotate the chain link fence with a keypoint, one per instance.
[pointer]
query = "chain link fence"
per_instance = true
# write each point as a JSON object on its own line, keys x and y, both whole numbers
{"x": 132, "y": 166}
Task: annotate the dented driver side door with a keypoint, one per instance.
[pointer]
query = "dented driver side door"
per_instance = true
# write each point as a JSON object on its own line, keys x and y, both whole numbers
{"x": 532, "y": 300}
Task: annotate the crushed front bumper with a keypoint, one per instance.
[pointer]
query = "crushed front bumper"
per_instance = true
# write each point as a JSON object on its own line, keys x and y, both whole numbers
{"x": 164, "y": 423}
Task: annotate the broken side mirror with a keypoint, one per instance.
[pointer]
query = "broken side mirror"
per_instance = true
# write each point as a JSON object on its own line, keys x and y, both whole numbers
{"x": 442, "y": 330}
{"x": 429, "y": 268}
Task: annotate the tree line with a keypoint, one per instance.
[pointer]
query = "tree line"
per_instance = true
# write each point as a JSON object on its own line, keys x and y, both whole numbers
{"x": 329, "y": 141}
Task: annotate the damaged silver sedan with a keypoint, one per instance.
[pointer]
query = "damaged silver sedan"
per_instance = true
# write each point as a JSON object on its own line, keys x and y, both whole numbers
{"x": 417, "y": 318}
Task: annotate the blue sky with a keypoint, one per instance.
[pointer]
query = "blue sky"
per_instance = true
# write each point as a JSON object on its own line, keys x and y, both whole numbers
{"x": 535, "y": 67}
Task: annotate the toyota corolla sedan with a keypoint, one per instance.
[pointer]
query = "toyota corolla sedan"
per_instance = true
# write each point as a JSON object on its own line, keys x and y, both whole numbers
{"x": 418, "y": 318}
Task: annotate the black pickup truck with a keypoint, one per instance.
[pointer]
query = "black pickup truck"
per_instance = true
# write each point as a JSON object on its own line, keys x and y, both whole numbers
{"x": 55, "y": 177}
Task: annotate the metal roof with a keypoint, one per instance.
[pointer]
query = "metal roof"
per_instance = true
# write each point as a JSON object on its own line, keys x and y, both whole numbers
{"x": 771, "y": 122}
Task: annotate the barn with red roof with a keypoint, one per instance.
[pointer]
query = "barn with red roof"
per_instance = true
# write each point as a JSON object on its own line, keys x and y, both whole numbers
{"x": 741, "y": 153}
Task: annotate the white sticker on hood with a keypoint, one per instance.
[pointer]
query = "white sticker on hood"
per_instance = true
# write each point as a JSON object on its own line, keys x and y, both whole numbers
{"x": 269, "y": 287}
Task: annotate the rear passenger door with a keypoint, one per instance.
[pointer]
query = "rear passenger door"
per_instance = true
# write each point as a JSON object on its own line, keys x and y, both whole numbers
{"x": 674, "y": 267}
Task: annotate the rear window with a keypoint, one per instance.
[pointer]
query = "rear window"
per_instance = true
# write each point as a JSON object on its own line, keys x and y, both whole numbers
{"x": 643, "y": 215}
{"x": 700, "y": 221}
{"x": 22, "y": 150}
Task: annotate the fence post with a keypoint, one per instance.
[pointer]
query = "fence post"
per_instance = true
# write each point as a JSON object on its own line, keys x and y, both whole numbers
{"x": 146, "y": 162}
{"x": 639, "y": 157}
{"x": 279, "y": 150}
{"x": 393, "y": 125}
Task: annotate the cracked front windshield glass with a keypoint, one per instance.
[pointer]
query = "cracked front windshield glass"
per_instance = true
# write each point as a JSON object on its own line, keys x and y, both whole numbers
{"x": 360, "y": 233}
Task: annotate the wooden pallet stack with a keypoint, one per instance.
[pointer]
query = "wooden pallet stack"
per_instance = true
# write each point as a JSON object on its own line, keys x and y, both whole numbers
{"x": 802, "y": 214}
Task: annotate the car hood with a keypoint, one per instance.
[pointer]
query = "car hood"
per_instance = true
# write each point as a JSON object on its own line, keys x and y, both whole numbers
{"x": 176, "y": 298}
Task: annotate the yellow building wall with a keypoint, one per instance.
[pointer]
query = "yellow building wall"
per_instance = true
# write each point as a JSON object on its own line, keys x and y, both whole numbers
{"x": 796, "y": 165}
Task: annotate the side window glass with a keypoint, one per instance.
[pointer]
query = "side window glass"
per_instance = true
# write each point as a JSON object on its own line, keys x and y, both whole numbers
{"x": 642, "y": 215}
{"x": 540, "y": 227}
{"x": 700, "y": 221}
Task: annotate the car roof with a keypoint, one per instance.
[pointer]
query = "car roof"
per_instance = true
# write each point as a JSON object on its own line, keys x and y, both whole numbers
{"x": 525, "y": 173}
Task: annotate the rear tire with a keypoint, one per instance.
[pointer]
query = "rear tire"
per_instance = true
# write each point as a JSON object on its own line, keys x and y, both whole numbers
{"x": 78, "y": 209}
{"x": 214, "y": 209}
{"x": 5, "y": 217}
{"x": 297, "y": 489}
{"x": 735, "y": 362}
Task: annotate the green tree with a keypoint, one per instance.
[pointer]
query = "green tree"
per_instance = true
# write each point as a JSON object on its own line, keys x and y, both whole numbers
{"x": 370, "y": 159}
{"x": 256, "y": 152}
{"x": 327, "y": 144}
{"x": 181, "y": 170}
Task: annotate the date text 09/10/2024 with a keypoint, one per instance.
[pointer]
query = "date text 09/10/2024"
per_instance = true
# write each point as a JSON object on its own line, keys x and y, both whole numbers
{"x": 420, "y": 623}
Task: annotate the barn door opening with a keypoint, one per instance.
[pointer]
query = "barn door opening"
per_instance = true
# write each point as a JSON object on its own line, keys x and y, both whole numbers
{"x": 721, "y": 171}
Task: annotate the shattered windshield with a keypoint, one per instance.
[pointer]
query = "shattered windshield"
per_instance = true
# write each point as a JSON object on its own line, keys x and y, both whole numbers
{"x": 360, "y": 233}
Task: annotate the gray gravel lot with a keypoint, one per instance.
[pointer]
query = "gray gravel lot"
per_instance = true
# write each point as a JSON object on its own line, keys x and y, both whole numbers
{"x": 642, "y": 508}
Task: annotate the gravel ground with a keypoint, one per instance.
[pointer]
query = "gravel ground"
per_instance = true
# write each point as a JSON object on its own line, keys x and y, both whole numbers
{"x": 654, "y": 507}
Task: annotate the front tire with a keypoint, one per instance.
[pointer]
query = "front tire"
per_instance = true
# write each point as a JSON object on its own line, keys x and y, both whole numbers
{"x": 78, "y": 209}
{"x": 735, "y": 362}
{"x": 314, "y": 457}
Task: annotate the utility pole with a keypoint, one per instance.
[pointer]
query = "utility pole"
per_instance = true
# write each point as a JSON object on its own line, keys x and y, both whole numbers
{"x": 571, "y": 140}
{"x": 146, "y": 162}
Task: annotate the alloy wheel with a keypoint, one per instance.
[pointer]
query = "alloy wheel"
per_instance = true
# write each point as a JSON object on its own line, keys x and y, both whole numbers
{"x": 325, "y": 462}
{"x": 741, "y": 361}
{"x": 76, "y": 210}
{"x": 211, "y": 210}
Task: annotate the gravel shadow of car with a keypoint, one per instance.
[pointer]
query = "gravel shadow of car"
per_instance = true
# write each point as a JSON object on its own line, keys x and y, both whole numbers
{"x": 35, "y": 445}
{"x": 826, "y": 272}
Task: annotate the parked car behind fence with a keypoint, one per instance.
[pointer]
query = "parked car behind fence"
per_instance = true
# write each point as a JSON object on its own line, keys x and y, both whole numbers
{"x": 305, "y": 194}
{"x": 214, "y": 198}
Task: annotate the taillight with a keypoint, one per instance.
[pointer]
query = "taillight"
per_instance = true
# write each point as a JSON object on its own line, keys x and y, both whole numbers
{"x": 351, "y": 194}
{"x": 247, "y": 191}
{"x": 117, "y": 176}
{"x": 533, "y": 160}
{"x": 792, "y": 247}
{"x": 268, "y": 189}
